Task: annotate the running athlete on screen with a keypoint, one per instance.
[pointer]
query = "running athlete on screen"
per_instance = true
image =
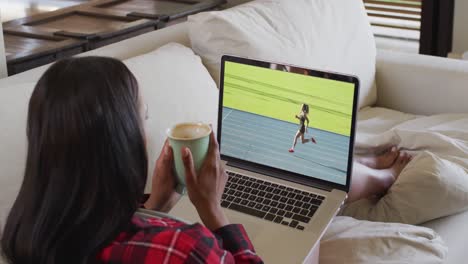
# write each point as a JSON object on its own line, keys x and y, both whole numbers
{"x": 302, "y": 116}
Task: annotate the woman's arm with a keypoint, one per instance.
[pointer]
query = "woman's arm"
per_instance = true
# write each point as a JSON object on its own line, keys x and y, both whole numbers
{"x": 180, "y": 243}
{"x": 163, "y": 195}
{"x": 236, "y": 241}
{"x": 307, "y": 120}
{"x": 231, "y": 244}
{"x": 205, "y": 189}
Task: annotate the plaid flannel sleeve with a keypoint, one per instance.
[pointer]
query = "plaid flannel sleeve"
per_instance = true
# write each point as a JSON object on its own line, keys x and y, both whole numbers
{"x": 234, "y": 239}
{"x": 229, "y": 244}
{"x": 162, "y": 240}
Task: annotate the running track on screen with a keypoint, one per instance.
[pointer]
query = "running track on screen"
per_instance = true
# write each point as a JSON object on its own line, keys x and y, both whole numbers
{"x": 267, "y": 141}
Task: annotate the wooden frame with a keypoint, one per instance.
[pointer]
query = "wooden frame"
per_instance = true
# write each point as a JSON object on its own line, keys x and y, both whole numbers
{"x": 163, "y": 14}
{"x": 435, "y": 17}
{"x": 42, "y": 24}
{"x": 56, "y": 48}
{"x": 408, "y": 10}
{"x": 47, "y": 37}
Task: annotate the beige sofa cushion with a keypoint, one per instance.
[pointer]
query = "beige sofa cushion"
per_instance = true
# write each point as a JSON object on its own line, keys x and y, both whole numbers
{"x": 177, "y": 88}
{"x": 332, "y": 35}
{"x": 428, "y": 188}
{"x": 353, "y": 241}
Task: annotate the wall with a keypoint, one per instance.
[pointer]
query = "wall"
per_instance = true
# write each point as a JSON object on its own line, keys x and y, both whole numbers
{"x": 3, "y": 69}
{"x": 460, "y": 30}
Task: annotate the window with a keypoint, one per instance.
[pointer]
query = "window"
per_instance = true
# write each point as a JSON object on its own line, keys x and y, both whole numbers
{"x": 423, "y": 26}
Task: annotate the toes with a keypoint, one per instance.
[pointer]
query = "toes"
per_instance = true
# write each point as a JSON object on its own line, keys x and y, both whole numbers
{"x": 394, "y": 152}
{"x": 401, "y": 158}
{"x": 409, "y": 157}
{"x": 405, "y": 158}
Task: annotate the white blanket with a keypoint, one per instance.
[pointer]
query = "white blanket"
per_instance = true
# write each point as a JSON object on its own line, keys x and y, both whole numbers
{"x": 444, "y": 135}
{"x": 353, "y": 241}
{"x": 435, "y": 183}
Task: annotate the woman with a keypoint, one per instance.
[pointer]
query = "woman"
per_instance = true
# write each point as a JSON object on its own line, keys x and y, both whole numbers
{"x": 86, "y": 172}
{"x": 302, "y": 127}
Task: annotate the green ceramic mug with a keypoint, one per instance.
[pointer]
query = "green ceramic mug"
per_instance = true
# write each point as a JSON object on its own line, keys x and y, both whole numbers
{"x": 196, "y": 137}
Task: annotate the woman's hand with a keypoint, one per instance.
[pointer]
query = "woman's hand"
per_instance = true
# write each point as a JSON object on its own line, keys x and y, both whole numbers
{"x": 163, "y": 196}
{"x": 206, "y": 188}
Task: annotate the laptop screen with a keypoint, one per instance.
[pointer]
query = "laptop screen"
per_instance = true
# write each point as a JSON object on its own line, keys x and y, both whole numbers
{"x": 289, "y": 118}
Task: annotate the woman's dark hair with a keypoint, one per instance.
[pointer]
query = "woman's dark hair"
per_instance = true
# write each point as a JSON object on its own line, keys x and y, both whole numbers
{"x": 86, "y": 165}
{"x": 305, "y": 108}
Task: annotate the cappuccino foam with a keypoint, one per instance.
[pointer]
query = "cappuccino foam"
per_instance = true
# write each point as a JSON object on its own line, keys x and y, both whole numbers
{"x": 189, "y": 131}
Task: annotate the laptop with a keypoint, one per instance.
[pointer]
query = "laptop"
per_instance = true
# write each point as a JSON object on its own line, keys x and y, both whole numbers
{"x": 286, "y": 134}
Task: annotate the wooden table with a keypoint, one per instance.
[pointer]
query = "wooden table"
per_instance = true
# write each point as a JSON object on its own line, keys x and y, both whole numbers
{"x": 25, "y": 51}
{"x": 44, "y": 38}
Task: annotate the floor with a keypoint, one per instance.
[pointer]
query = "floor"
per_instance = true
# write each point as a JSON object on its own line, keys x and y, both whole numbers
{"x": 21, "y": 8}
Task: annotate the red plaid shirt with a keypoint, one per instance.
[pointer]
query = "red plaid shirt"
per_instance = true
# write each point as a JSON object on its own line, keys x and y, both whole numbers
{"x": 164, "y": 240}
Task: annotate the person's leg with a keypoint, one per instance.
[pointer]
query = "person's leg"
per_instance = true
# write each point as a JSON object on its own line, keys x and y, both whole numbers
{"x": 295, "y": 141}
{"x": 367, "y": 182}
{"x": 382, "y": 161}
{"x": 313, "y": 140}
{"x": 304, "y": 140}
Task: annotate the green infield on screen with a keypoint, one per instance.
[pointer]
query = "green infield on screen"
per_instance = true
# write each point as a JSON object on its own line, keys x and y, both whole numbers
{"x": 280, "y": 95}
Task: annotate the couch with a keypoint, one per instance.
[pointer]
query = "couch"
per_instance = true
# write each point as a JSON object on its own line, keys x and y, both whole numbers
{"x": 416, "y": 84}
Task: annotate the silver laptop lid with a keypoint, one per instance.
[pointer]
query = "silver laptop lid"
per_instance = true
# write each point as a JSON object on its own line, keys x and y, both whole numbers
{"x": 263, "y": 106}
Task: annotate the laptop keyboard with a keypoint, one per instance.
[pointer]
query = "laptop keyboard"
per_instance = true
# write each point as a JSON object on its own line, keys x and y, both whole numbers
{"x": 270, "y": 201}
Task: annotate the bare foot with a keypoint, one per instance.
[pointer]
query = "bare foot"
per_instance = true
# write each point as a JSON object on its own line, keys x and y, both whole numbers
{"x": 400, "y": 163}
{"x": 382, "y": 161}
{"x": 384, "y": 179}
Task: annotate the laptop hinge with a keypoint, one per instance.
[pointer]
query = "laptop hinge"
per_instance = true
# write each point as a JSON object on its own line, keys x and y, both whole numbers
{"x": 278, "y": 175}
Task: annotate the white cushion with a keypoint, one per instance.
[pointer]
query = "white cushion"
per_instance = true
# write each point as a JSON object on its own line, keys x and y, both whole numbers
{"x": 360, "y": 242}
{"x": 14, "y": 102}
{"x": 173, "y": 82}
{"x": 428, "y": 188}
{"x": 454, "y": 231}
{"x": 177, "y": 88}
{"x": 330, "y": 35}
